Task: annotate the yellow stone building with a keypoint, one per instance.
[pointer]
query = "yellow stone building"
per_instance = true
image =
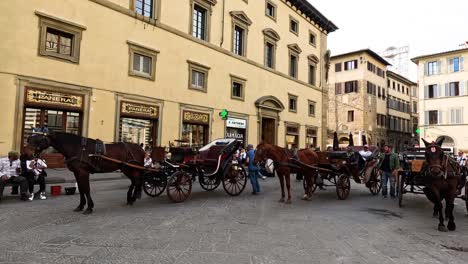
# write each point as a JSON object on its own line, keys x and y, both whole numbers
{"x": 153, "y": 71}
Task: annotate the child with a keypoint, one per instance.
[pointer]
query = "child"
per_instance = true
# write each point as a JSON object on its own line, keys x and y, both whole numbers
{"x": 148, "y": 160}
{"x": 36, "y": 174}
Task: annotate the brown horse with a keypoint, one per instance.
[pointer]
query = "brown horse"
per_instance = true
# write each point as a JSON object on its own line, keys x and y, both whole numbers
{"x": 78, "y": 152}
{"x": 442, "y": 179}
{"x": 283, "y": 166}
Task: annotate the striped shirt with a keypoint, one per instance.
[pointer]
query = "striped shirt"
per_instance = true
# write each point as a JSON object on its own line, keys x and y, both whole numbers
{"x": 8, "y": 167}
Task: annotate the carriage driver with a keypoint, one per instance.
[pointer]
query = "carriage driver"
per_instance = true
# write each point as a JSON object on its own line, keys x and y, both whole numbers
{"x": 9, "y": 173}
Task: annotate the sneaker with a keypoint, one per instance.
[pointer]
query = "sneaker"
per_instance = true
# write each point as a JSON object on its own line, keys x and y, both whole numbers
{"x": 42, "y": 196}
{"x": 31, "y": 197}
{"x": 264, "y": 177}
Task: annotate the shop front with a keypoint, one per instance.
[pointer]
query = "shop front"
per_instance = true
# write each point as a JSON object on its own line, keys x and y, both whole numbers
{"x": 47, "y": 111}
{"x": 311, "y": 137}
{"x": 138, "y": 123}
{"x": 195, "y": 128}
{"x": 237, "y": 128}
{"x": 292, "y": 136}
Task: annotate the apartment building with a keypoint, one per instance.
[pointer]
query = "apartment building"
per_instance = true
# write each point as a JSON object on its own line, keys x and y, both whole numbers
{"x": 443, "y": 86}
{"x": 153, "y": 71}
{"x": 358, "y": 97}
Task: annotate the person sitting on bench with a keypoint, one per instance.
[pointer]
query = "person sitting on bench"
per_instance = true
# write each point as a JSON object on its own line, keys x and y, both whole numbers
{"x": 9, "y": 173}
{"x": 36, "y": 174}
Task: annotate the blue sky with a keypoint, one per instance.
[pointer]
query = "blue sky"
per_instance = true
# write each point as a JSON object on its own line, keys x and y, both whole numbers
{"x": 428, "y": 26}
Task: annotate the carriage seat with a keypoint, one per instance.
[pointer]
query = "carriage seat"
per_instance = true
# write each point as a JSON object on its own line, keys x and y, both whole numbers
{"x": 211, "y": 155}
{"x": 337, "y": 155}
{"x": 179, "y": 154}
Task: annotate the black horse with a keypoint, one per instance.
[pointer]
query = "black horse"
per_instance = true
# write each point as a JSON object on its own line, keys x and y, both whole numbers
{"x": 442, "y": 179}
{"x": 81, "y": 159}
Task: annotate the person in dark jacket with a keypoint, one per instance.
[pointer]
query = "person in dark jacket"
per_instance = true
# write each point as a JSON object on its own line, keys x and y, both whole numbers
{"x": 389, "y": 165}
{"x": 253, "y": 169}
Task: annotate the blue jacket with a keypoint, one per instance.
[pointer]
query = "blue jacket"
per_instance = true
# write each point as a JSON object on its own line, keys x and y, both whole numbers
{"x": 251, "y": 155}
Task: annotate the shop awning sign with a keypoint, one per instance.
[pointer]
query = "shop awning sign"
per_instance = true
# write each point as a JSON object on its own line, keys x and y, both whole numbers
{"x": 236, "y": 123}
{"x": 139, "y": 110}
{"x": 44, "y": 97}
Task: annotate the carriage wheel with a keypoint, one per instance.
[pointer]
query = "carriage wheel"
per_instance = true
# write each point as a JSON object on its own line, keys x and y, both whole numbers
{"x": 401, "y": 188}
{"x": 234, "y": 179}
{"x": 208, "y": 183}
{"x": 343, "y": 186}
{"x": 374, "y": 183}
{"x": 179, "y": 186}
{"x": 154, "y": 185}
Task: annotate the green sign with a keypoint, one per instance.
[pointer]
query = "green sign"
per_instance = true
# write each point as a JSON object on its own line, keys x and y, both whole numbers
{"x": 418, "y": 131}
{"x": 224, "y": 114}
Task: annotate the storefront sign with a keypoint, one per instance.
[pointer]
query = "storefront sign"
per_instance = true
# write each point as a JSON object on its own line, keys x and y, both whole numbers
{"x": 235, "y": 133}
{"x": 236, "y": 123}
{"x": 43, "y": 97}
{"x": 195, "y": 117}
{"x": 139, "y": 110}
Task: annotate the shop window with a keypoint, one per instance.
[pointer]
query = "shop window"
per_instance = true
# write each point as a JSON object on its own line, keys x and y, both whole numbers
{"x": 138, "y": 131}
{"x": 292, "y": 136}
{"x": 142, "y": 61}
{"x": 198, "y": 76}
{"x": 311, "y": 137}
{"x": 59, "y": 39}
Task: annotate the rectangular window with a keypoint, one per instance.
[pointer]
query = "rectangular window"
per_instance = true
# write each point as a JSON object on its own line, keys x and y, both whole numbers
{"x": 351, "y": 87}
{"x": 432, "y": 117}
{"x": 293, "y": 66}
{"x": 199, "y": 22}
{"x": 384, "y": 95}
{"x": 142, "y": 64}
{"x": 393, "y": 84}
{"x": 337, "y": 67}
{"x": 338, "y": 88}
{"x": 456, "y": 116}
{"x": 237, "y": 87}
{"x": 144, "y": 7}
{"x": 452, "y": 89}
{"x": 350, "y": 116}
{"x": 292, "y": 103}
{"x": 312, "y": 39}
{"x": 415, "y": 107}
{"x": 198, "y": 76}
{"x": 239, "y": 35}
{"x": 293, "y": 26}
{"x": 432, "y": 68}
{"x": 312, "y": 71}
{"x": 456, "y": 64}
{"x": 370, "y": 67}
{"x": 269, "y": 55}
{"x": 270, "y": 10}
{"x": 432, "y": 91}
{"x": 237, "y": 90}
{"x": 398, "y": 87}
{"x": 311, "y": 108}
{"x": 58, "y": 42}
{"x": 350, "y": 65}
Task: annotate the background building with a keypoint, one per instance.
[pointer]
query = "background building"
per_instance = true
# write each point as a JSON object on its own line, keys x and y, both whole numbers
{"x": 357, "y": 97}
{"x": 154, "y": 71}
{"x": 443, "y": 86}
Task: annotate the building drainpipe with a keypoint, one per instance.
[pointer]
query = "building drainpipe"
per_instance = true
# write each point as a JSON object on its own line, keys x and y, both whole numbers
{"x": 222, "y": 24}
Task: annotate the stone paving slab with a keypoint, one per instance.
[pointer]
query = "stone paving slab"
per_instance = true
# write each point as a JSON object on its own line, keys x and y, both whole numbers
{"x": 212, "y": 227}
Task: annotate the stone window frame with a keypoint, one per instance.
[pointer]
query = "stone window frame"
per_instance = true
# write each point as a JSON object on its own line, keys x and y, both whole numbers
{"x": 275, "y": 8}
{"x": 48, "y": 21}
{"x": 208, "y": 6}
{"x": 312, "y": 60}
{"x": 296, "y": 98}
{"x": 195, "y": 66}
{"x": 240, "y": 80}
{"x": 272, "y": 37}
{"x": 311, "y": 102}
{"x": 133, "y": 48}
{"x": 156, "y": 10}
{"x": 240, "y": 19}
{"x": 292, "y": 19}
{"x": 311, "y": 33}
{"x": 294, "y": 50}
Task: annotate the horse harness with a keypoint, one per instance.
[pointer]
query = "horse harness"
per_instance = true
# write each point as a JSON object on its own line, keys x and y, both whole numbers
{"x": 444, "y": 167}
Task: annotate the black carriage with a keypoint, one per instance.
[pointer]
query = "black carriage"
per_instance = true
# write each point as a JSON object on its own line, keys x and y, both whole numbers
{"x": 411, "y": 177}
{"x": 335, "y": 168}
{"x": 212, "y": 164}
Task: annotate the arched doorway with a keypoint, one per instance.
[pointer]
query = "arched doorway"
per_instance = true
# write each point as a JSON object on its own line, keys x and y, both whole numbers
{"x": 269, "y": 108}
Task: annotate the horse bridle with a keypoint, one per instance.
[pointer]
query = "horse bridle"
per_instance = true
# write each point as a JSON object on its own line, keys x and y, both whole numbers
{"x": 443, "y": 167}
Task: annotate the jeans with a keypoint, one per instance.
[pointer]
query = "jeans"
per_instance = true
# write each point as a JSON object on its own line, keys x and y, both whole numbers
{"x": 253, "y": 175}
{"x": 15, "y": 180}
{"x": 386, "y": 176}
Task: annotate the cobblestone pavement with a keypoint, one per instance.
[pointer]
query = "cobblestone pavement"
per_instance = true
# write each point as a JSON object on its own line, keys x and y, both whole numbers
{"x": 212, "y": 227}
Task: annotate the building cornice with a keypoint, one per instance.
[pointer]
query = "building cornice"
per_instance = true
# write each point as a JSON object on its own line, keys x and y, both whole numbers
{"x": 450, "y": 52}
{"x": 368, "y": 51}
{"x": 313, "y": 14}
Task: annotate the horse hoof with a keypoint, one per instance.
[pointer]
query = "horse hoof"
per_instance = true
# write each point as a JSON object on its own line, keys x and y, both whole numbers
{"x": 78, "y": 209}
{"x": 451, "y": 226}
{"x": 442, "y": 228}
{"x": 281, "y": 200}
{"x": 88, "y": 211}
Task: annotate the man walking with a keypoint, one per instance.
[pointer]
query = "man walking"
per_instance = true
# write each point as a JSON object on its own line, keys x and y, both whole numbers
{"x": 253, "y": 169}
{"x": 9, "y": 173}
{"x": 389, "y": 165}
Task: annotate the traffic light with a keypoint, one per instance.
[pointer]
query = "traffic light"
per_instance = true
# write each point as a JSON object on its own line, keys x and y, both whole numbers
{"x": 224, "y": 114}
